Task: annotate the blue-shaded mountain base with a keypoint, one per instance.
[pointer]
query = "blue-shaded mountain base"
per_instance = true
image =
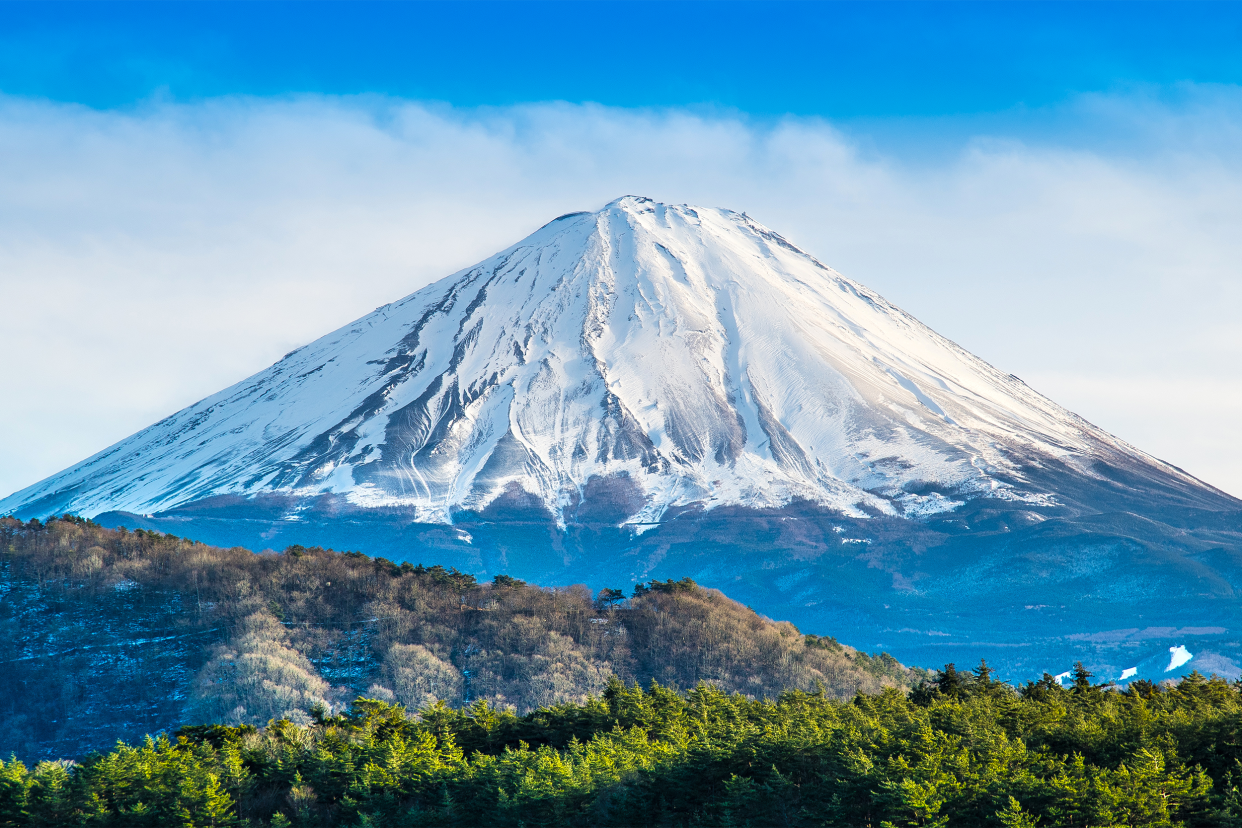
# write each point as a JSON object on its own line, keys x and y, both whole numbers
{"x": 1029, "y": 590}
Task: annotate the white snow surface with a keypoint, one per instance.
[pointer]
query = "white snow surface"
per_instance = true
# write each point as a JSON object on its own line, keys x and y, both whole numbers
{"x": 1178, "y": 656}
{"x": 686, "y": 355}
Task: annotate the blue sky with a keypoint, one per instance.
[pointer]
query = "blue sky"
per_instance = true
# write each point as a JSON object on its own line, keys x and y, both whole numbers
{"x": 188, "y": 191}
{"x": 837, "y": 60}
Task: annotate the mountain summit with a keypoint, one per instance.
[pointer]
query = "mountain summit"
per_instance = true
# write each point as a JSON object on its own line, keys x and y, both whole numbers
{"x": 645, "y": 356}
{"x": 658, "y": 390}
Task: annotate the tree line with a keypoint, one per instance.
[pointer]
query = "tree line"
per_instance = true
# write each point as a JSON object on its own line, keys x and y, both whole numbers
{"x": 963, "y": 749}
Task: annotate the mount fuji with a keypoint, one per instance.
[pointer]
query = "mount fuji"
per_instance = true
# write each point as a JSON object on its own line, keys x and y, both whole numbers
{"x": 656, "y": 390}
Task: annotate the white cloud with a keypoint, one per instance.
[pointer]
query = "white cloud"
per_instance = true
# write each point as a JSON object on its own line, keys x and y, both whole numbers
{"x": 151, "y": 257}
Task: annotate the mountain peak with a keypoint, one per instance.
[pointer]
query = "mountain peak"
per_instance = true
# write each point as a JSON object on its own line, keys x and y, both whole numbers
{"x": 631, "y": 202}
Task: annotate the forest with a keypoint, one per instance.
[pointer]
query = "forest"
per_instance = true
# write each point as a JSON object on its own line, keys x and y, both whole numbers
{"x": 110, "y": 634}
{"x": 961, "y": 749}
{"x": 316, "y": 688}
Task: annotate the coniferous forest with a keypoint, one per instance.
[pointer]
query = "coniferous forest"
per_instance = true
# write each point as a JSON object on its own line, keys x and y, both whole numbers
{"x": 507, "y": 704}
{"x": 960, "y": 750}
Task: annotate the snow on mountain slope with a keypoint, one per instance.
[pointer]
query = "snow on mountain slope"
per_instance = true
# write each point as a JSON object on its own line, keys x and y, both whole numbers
{"x": 683, "y": 355}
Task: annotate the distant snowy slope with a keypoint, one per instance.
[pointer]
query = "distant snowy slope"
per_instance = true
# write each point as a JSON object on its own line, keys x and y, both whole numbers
{"x": 659, "y": 356}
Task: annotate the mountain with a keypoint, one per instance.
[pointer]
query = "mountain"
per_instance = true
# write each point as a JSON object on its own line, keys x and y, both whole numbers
{"x": 652, "y": 386}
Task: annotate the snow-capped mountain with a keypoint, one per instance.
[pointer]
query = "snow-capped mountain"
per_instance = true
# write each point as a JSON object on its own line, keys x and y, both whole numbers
{"x": 667, "y": 355}
{"x": 670, "y": 391}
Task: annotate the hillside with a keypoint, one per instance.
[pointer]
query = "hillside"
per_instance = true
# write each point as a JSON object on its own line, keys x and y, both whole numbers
{"x": 108, "y": 634}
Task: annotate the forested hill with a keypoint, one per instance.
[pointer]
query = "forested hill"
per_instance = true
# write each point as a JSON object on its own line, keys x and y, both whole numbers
{"x": 109, "y": 634}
